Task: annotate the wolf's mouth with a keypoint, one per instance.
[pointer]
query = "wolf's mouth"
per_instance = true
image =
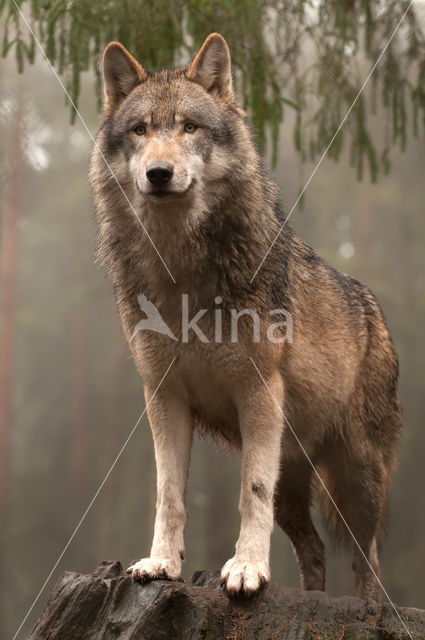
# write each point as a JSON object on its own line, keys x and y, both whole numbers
{"x": 169, "y": 193}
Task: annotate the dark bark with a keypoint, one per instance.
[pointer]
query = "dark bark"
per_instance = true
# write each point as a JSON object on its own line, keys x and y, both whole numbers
{"x": 106, "y": 605}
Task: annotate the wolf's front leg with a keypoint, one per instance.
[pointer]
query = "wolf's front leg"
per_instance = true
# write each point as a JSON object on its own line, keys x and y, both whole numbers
{"x": 261, "y": 424}
{"x": 172, "y": 430}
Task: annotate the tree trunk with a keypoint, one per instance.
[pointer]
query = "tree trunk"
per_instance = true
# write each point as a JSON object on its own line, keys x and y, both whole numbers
{"x": 8, "y": 266}
{"x": 8, "y": 278}
{"x": 108, "y": 604}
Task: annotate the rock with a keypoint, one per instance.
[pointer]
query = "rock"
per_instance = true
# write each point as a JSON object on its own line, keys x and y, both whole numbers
{"x": 107, "y": 605}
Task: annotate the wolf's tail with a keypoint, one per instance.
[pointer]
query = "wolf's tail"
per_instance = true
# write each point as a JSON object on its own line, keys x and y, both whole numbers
{"x": 346, "y": 528}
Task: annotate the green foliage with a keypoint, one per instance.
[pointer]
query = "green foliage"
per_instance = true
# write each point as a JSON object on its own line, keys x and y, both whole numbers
{"x": 310, "y": 56}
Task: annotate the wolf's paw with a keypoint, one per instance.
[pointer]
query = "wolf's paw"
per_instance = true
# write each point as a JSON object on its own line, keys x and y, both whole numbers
{"x": 154, "y": 569}
{"x": 244, "y": 578}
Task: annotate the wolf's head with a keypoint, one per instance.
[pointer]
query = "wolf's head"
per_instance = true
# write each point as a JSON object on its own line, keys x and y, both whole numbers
{"x": 176, "y": 136}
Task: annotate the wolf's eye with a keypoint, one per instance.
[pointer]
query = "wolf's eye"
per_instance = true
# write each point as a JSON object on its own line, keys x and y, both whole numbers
{"x": 189, "y": 127}
{"x": 140, "y": 130}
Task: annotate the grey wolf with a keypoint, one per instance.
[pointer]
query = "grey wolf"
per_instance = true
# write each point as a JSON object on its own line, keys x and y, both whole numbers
{"x": 182, "y": 151}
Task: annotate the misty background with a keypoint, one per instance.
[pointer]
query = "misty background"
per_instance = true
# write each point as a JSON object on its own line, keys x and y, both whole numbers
{"x": 71, "y": 391}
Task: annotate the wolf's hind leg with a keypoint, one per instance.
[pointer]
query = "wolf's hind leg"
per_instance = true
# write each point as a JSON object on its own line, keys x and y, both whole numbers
{"x": 369, "y": 493}
{"x": 292, "y": 513}
{"x": 358, "y": 483}
{"x": 171, "y": 427}
{"x": 367, "y": 572}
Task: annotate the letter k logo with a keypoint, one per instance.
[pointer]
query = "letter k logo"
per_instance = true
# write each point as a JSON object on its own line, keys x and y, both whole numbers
{"x": 153, "y": 320}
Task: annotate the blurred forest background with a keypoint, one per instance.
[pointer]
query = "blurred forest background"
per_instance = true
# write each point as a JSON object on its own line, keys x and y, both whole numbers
{"x": 70, "y": 393}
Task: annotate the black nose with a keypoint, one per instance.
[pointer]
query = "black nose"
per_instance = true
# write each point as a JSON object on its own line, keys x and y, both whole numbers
{"x": 159, "y": 173}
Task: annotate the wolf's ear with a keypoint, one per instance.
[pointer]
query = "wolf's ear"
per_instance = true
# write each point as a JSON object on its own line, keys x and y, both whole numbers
{"x": 211, "y": 67}
{"x": 121, "y": 73}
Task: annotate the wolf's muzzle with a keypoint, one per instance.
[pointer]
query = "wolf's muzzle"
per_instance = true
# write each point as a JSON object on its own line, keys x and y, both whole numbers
{"x": 159, "y": 173}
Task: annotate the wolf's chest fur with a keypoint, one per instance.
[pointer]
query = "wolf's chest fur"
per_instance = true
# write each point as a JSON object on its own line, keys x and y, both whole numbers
{"x": 208, "y": 376}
